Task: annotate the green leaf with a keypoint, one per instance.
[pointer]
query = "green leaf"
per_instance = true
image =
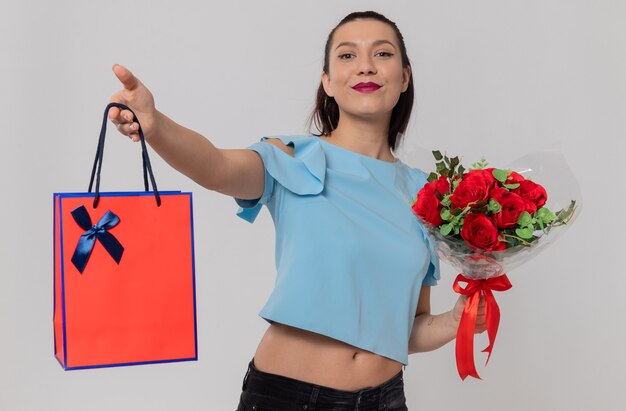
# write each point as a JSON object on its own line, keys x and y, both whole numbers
{"x": 445, "y": 214}
{"x": 494, "y": 206}
{"x": 525, "y": 233}
{"x": 479, "y": 165}
{"x": 455, "y": 183}
{"x": 437, "y": 155}
{"x": 500, "y": 175}
{"x": 524, "y": 220}
{"x": 446, "y": 200}
{"x": 432, "y": 177}
{"x": 454, "y": 162}
{"x": 461, "y": 170}
{"x": 458, "y": 220}
{"x": 442, "y": 169}
{"x": 545, "y": 215}
{"x": 510, "y": 186}
{"x": 457, "y": 230}
{"x": 445, "y": 229}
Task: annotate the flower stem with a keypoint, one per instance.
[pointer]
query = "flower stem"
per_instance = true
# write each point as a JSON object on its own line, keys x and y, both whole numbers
{"x": 517, "y": 238}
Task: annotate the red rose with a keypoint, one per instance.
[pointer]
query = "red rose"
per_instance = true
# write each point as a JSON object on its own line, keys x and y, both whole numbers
{"x": 441, "y": 184}
{"x": 515, "y": 178}
{"x": 479, "y": 232}
{"x": 511, "y": 205}
{"x": 533, "y": 194}
{"x": 427, "y": 206}
{"x": 475, "y": 186}
{"x": 530, "y": 207}
{"x": 486, "y": 173}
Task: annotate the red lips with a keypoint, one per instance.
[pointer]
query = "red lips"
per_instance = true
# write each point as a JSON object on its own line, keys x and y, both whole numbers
{"x": 366, "y": 87}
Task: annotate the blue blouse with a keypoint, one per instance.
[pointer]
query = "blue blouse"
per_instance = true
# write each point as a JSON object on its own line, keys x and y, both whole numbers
{"x": 350, "y": 254}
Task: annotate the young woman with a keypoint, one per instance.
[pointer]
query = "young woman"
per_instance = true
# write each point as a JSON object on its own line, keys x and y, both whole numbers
{"x": 354, "y": 266}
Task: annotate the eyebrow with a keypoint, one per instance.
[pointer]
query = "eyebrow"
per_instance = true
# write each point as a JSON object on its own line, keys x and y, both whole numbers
{"x": 376, "y": 43}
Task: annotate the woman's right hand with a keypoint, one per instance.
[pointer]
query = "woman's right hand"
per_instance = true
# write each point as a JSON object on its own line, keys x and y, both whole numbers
{"x": 136, "y": 96}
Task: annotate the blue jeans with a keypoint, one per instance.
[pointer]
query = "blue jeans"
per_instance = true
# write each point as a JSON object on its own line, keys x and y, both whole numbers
{"x": 263, "y": 391}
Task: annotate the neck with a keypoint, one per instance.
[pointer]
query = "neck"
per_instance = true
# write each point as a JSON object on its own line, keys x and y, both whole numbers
{"x": 365, "y": 136}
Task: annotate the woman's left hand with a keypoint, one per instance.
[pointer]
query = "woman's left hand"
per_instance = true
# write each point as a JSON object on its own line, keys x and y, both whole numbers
{"x": 457, "y": 312}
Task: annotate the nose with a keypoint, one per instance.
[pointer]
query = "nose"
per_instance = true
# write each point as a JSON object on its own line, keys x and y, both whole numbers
{"x": 366, "y": 65}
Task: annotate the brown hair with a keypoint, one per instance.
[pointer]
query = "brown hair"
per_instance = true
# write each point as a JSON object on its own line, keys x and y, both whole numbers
{"x": 326, "y": 112}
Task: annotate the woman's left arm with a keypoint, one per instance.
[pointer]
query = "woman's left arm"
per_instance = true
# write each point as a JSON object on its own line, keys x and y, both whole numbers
{"x": 434, "y": 331}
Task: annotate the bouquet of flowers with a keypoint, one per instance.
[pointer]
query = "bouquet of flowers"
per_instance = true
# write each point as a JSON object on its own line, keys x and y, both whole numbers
{"x": 485, "y": 219}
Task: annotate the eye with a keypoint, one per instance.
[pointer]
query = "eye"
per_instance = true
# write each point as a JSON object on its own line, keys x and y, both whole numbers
{"x": 342, "y": 55}
{"x": 386, "y": 53}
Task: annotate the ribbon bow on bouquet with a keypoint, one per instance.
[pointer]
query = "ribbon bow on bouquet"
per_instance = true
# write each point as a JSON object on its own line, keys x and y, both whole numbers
{"x": 485, "y": 219}
{"x": 465, "y": 333}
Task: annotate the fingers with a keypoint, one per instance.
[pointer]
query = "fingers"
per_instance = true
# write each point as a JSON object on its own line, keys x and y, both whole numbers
{"x": 481, "y": 320}
{"x": 113, "y": 113}
{"x": 128, "y": 128}
{"x": 130, "y": 82}
{"x": 127, "y": 78}
{"x": 123, "y": 120}
{"x": 481, "y": 317}
{"x": 120, "y": 116}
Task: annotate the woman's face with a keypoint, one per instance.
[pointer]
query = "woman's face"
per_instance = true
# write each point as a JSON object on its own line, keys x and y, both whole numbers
{"x": 365, "y": 51}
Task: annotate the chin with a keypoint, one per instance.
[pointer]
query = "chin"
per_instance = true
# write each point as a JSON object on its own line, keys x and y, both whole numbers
{"x": 369, "y": 114}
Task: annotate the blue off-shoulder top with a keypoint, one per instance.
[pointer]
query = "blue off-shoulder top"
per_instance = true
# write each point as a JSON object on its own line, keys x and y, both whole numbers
{"x": 351, "y": 257}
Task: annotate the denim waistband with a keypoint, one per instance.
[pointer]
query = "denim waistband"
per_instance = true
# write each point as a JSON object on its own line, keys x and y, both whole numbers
{"x": 305, "y": 391}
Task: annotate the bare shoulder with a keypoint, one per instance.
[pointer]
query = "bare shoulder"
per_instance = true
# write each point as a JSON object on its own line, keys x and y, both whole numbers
{"x": 276, "y": 141}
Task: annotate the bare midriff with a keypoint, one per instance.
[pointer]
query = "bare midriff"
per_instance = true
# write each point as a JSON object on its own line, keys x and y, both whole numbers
{"x": 321, "y": 360}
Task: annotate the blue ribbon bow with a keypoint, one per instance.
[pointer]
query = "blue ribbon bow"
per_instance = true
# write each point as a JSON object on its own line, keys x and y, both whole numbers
{"x": 93, "y": 232}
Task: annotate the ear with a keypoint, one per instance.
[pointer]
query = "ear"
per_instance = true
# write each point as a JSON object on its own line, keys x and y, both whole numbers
{"x": 326, "y": 84}
{"x": 406, "y": 76}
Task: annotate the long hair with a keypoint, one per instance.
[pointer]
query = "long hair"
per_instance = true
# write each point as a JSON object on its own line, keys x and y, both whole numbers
{"x": 326, "y": 112}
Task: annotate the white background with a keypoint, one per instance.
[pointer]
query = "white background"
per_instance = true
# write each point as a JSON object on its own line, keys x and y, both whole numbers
{"x": 495, "y": 77}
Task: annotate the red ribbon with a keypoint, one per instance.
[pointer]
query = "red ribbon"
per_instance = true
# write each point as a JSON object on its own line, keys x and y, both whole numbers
{"x": 465, "y": 333}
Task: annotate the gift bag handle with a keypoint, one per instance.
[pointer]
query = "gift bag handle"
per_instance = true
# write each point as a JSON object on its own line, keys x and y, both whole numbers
{"x": 97, "y": 164}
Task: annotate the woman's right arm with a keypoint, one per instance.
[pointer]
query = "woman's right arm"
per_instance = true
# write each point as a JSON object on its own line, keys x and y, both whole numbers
{"x": 235, "y": 172}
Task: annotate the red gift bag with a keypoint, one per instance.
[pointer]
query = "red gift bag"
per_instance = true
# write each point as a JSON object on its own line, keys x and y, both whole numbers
{"x": 124, "y": 285}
